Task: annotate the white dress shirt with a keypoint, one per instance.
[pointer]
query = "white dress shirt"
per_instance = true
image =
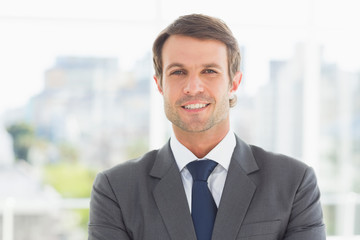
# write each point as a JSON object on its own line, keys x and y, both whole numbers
{"x": 221, "y": 154}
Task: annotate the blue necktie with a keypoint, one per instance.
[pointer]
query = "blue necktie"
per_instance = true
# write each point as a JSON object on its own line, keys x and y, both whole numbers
{"x": 203, "y": 207}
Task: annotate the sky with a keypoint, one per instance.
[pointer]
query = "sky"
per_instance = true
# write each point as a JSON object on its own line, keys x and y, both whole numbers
{"x": 35, "y": 32}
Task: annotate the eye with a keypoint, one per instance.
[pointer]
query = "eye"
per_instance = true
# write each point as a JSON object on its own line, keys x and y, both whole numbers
{"x": 177, "y": 72}
{"x": 209, "y": 71}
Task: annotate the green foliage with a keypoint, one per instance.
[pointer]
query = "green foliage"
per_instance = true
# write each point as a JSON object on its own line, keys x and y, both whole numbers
{"x": 23, "y": 136}
{"x": 67, "y": 176}
{"x": 70, "y": 180}
{"x": 84, "y": 217}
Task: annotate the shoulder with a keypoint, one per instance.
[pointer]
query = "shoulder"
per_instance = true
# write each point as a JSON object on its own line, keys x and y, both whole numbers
{"x": 264, "y": 157}
{"x": 125, "y": 180}
{"x": 281, "y": 168}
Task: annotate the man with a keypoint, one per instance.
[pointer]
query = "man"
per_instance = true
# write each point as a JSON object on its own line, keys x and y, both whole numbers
{"x": 247, "y": 193}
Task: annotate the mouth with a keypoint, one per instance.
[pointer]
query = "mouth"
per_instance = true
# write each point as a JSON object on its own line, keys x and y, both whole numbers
{"x": 196, "y": 106}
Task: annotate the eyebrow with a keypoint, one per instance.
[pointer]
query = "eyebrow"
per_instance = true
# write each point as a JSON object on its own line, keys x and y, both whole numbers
{"x": 212, "y": 65}
{"x": 174, "y": 65}
{"x": 208, "y": 65}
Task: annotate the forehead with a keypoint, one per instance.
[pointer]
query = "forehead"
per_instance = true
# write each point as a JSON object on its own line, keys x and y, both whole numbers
{"x": 192, "y": 51}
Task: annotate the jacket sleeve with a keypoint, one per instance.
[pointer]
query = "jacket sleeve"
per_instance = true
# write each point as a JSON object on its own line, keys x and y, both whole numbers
{"x": 306, "y": 216}
{"x": 106, "y": 222}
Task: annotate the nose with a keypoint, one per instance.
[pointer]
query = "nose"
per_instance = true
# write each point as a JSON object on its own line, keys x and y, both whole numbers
{"x": 193, "y": 85}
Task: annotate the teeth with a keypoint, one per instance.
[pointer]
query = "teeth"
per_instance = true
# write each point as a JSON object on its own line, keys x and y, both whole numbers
{"x": 195, "y": 106}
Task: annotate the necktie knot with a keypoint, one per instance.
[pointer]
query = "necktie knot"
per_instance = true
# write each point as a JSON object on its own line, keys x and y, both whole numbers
{"x": 201, "y": 170}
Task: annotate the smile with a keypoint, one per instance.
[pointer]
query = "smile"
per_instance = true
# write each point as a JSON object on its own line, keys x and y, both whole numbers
{"x": 195, "y": 106}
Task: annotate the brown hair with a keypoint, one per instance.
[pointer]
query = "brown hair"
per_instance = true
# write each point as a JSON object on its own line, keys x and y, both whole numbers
{"x": 201, "y": 27}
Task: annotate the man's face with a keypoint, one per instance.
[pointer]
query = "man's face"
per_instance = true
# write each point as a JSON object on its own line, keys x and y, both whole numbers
{"x": 196, "y": 85}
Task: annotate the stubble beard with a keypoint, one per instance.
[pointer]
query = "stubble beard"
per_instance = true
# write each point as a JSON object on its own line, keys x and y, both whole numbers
{"x": 219, "y": 114}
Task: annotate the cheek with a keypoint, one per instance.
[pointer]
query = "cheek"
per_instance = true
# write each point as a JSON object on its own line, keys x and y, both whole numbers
{"x": 166, "y": 90}
{"x": 169, "y": 93}
{"x": 171, "y": 88}
{"x": 221, "y": 89}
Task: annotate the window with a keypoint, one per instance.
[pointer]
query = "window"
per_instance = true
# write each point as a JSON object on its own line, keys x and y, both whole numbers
{"x": 77, "y": 96}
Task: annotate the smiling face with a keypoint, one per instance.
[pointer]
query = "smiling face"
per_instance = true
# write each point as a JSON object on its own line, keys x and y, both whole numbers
{"x": 195, "y": 85}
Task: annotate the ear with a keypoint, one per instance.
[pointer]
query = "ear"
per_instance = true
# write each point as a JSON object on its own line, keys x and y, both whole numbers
{"x": 157, "y": 81}
{"x": 236, "y": 82}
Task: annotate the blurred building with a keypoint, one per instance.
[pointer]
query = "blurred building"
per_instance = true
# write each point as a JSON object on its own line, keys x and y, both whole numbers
{"x": 340, "y": 127}
{"x": 94, "y": 106}
{"x": 273, "y": 117}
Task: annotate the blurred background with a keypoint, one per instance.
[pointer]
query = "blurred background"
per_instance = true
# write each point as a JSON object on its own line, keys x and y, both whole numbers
{"x": 77, "y": 97}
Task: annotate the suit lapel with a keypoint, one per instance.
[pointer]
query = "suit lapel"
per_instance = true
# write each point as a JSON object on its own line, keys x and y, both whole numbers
{"x": 170, "y": 196}
{"x": 237, "y": 194}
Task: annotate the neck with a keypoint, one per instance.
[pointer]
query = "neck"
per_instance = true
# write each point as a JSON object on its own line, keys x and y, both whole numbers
{"x": 201, "y": 143}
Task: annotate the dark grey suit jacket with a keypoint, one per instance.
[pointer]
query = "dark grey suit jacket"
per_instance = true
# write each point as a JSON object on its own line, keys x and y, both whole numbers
{"x": 266, "y": 197}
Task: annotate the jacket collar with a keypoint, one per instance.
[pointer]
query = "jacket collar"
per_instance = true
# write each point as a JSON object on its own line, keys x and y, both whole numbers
{"x": 169, "y": 195}
{"x": 237, "y": 194}
{"x": 238, "y": 191}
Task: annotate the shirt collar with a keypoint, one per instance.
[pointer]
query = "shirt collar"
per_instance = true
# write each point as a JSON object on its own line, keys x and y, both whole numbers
{"x": 221, "y": 153}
